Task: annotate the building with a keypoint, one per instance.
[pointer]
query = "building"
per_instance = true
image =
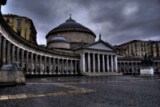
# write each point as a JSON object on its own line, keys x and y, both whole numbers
{"x": 154, "y": 48}
{"x": 133, "y": 52}
{"x": 139, "y": 48}
{"x": 23, "y": 26}
{"x": 132, "y": 65}
{"x": 71, "y": 50}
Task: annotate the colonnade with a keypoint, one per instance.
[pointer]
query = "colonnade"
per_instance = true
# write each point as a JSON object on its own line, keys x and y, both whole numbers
{"x": 129, "y": 67}
{"x": 133, "y": 66}
{"x": 36, "y": 63}
{"x": 99, "y": 62}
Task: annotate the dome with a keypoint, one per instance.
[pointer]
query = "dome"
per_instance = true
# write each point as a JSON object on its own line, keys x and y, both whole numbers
{"x": 59, "y": 38}
{"x": 71, "y": 25}
{"x": 72, "y": 32}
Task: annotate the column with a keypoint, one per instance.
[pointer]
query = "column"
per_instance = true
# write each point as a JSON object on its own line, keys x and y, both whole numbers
{"x": 40, "y": 64}
{"x": 27, "y": 59}
{"x": 67, "y": 66}
{"x": 45, "y": 60}
{"x": 49, "y": 66}
{"x": 112, "y": 63}
{"x": 108, "y": 67}
{"x": 4, "y": 52}
{"x": 22, "y": 58}
{"x": 103, "y": 60}
{"x": 71, "y": 66}
{"x": 31, "y": 63}
{"x": 13, "y": 54}
{"x": 53, "y": 66}
{"x": 8, "y": 53}
{"x": 93, "y": 62}
{"x": 98, "y": 62}
{"x": 89, "y": 62}
{"x": 63, "y": 66}
{"x": 17, "y": 57}
{"x": 116, "y": 62}
{"x": 76, "y": 72}
{"x": 58, "y": 66}
{"x": 83, "y": 63}
{"x": 36, "y": 64}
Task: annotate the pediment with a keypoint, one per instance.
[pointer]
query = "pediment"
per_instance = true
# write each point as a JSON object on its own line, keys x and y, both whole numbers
{"x": 100, "y": 46}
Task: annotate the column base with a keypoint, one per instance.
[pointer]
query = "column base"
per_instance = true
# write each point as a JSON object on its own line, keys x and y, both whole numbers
{"x": 101, "y": 73}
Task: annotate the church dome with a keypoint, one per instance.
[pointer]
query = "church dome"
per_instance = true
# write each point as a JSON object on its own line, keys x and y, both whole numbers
{"x": 74, "y": 33}
{"x": 71, "y": 25}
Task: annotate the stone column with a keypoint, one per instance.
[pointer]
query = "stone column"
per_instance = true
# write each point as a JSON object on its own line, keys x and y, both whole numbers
{"x": 83, "y": 63}
{"x": 71, "y": 66}
{"x": 89, "y": 62}
{"x": 76, "y": 71}
{"x": 9, "y": 53}
{"x": 103, "y": 59}
{"x": 108, "y": 67}
{"x": 67, "y": 66}
{"x": 36, "y": 64}
{"x": 98, "y": 62}
{"x": 49, "y": 66}
{"x": 58, "y": 66}
{"x": 13, "y": 54}
{"x": 40, "y": 64}
{"x": 54, "y": 66}
{"x": 4, "y": 52}
{"x": 22, "y": 58}
{"x": 64, "y": 66}
{"x": 17, "y": 60}
{"x": 45, "y": 62}
{"x": 31, "y": 63}
{"x": 116, "y": 63}
{"x": 112, "y": 63}
{"x": 94, "y": 66}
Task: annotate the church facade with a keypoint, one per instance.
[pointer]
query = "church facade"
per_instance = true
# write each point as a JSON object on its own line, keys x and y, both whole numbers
{"x": 71, "y": 50}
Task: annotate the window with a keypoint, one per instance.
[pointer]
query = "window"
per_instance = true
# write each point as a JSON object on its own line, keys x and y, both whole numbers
{"x": 18, "y": 22}
{"x": 19, "y": 32}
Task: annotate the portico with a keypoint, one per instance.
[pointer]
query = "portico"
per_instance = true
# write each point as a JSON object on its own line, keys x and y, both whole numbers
{"x": 97, "y": 58}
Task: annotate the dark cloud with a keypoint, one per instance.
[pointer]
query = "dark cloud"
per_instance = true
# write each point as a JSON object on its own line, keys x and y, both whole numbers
{"x": 117, "y": 20}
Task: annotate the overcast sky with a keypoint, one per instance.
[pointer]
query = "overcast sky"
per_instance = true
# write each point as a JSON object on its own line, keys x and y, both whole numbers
{"x": 117, "y": 20}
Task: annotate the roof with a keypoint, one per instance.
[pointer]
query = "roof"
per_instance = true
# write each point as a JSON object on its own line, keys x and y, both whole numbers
{"x": 70, "y": 25}
{"x": 132, "y": 41}
{"x": 99, "y": 41}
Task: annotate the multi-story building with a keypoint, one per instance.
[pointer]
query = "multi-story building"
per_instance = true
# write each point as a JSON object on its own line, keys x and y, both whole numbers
{"x": 154, "y": 48}
{"x": 23, "y": 26}
{"x": 139, "y": 48}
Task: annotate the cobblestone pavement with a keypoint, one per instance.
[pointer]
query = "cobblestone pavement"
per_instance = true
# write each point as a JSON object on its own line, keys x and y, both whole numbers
{"x": 107, "y": 91}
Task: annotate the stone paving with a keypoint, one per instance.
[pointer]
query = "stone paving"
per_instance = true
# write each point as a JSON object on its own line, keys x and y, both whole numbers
{"x": 106, "y": 91}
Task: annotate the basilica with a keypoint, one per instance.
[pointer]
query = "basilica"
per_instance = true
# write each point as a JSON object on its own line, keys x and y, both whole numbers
{"x": 71, "y": 50}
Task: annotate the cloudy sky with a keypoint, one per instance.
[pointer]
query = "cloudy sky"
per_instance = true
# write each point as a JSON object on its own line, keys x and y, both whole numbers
{"x": 117, "y": 20}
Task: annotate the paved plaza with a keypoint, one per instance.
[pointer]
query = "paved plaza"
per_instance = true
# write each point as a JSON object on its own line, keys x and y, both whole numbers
{"x": 107, "y": 91}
